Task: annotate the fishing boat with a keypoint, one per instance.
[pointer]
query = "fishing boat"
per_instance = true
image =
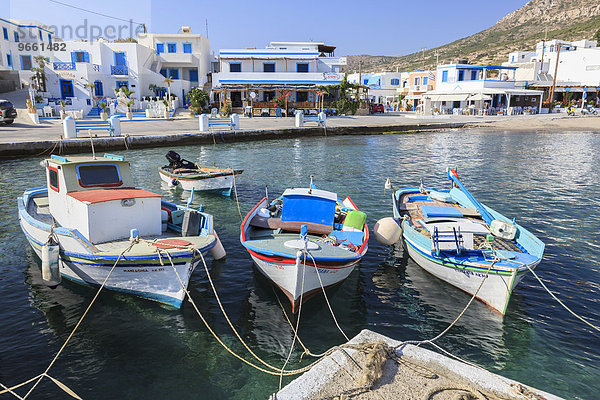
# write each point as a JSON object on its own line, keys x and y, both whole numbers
{"x": 461, "y": 241}
{"x": 90, "y": 217}
{"x": 191, "y": 176}
{"x": 305, "y": 241}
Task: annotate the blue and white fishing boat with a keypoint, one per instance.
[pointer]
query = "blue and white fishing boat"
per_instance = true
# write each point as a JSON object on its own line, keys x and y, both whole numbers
{"x": 90, "y": 215}
{"x": 461, "y": 241}
{"x": 305, "y": 241}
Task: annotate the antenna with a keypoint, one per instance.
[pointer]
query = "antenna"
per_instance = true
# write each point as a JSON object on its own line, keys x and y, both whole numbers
{"x": 206, "y": 27}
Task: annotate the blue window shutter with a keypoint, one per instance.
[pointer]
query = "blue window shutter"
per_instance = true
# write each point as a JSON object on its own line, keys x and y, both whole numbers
{"x": 49, "y": 38}
{"x": 73, "y": 57}
{"x": 187, "y": 47}
{"x": 86, "y": 57}
{"x": 160, "y": 48}
{"x": 16, "y": 36}
{"x": 5, "y": 32}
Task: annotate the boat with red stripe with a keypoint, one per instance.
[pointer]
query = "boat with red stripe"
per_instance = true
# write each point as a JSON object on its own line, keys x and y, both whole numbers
{"x": 305, "y": 240}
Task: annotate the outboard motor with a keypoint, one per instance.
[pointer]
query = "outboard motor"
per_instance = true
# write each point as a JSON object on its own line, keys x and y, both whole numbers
{"x": 176, "y": 162}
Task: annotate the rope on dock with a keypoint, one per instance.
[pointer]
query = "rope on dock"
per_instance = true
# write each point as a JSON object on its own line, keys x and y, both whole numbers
{"x": 560, "y": 302}
{"x": 45, "y": 373}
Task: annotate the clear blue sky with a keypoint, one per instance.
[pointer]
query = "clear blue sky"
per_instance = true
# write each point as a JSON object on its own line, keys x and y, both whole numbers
{"x": 383, "y": 27}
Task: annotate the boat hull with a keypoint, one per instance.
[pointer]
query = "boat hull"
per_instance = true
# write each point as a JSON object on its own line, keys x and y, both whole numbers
{"x": 219, "y": 184}
{"x": 146, "y": 274}
{"x": 299, "y": 281}
{"x": 497, "y": 286}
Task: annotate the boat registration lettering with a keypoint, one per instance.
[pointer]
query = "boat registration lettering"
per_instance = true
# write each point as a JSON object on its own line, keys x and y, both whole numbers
{"x": 144, "y": 270}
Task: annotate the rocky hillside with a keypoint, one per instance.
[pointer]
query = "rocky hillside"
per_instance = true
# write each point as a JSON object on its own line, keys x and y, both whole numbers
{"x": 519, "y": 30}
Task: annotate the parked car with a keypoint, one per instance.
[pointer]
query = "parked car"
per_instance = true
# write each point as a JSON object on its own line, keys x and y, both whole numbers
{"x": 377, "y": 108}
{"x": 7, "y": 112}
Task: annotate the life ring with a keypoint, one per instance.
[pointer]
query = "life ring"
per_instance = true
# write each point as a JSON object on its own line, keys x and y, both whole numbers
{"x": 286, "y": 93}
{"x": 174, "y": 182}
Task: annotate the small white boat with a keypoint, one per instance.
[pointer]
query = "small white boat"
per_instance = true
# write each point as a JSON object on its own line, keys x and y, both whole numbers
{"x": 461, "y": 241}
{"x": 191, "y": 176}
{"x": 333, "y": 239}
{"x": 91, "y": 215}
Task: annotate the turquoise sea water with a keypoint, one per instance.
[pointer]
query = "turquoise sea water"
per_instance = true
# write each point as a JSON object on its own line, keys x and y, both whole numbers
{"x": 129, "y": 348}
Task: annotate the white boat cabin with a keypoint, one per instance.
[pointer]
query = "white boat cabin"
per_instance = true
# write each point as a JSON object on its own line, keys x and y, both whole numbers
{"x": 97, "y": 196}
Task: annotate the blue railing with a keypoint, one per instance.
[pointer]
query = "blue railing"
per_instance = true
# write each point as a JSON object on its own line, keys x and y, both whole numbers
{"x": 64, "y": 66}
{"x": 96, "y": 67}
{"x": 119, "y": 70}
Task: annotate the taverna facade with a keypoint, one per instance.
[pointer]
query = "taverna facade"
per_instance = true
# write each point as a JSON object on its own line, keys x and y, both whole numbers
{"x": 382, "y": 86}
{"x": 464, "y": 86}
{"x": 576, "y": 68}
{"x": 293, "y": 70}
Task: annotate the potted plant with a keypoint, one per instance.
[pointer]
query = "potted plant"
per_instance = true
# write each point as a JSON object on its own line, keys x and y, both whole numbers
{"x": 166, "y": 113}
{"x": 103, "y": 114}
{"x": 38, "y": 99}
{"x": 129, "y": 113}
{"x": 197, "y": 99}
{"x": 225, "y": 110}
{"x": 62, "y": 109}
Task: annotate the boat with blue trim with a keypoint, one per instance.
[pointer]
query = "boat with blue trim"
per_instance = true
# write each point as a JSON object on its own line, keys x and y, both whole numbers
{"x": 463, "y": 242}
{"x": 93, "y": 214}
{"x": 305, "y": 240}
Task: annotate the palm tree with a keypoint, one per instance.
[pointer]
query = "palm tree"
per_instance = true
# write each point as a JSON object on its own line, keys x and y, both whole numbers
{"x": 168, "y": 81}
{"x": 91, "y": 86}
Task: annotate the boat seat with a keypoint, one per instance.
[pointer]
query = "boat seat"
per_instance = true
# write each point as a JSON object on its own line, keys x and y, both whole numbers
{"x": 435, "y": 211}
{"x": 294, "y": 226}
{"x": 41, "y": 201}
{"x": 353, "y": 237}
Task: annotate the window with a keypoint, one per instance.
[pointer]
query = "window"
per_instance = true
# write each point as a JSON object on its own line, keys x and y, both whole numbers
{"x": 461, "y": 75}
{"x": 171, "y": 47}
{"x": 425, "y": 80}
{"x": 301, "y": 97}
{"x": 104, "y": 175}
{"x": 41, "y": 38}
{"x": 404, "y": 84}
{"x": 473, "y": 75}
{"x": 49, "y": 38}
{"x": 121, "y": 84}
{"x": 5, "y": 32}
{"x": 235, "y": 67}
{"x": 187, "y": 47}
{"x": 395, "y": 82}
{"x": 268, "y": 67}
{"x": 444, "y": 76}
{"x": 98, "y": 89}
{"x": 160, "y": 48}
{"x": 9, "y": 60}
{"x": 365, "y": 81}
{"x": 417, "y": 81}
{"x": 25, "y": 63}
{"x": 174, "y": 73}
{"x": 301, "y": 67}
{"x": 163, "y": 72}
{"x": 80, "y": 56}
{"x": 512, "y": 59}
{"x": 268, "y": 96}
{"x": 193, "y": 74}
{"x": 16, "y": 36}
{"x": 53, "y": 179}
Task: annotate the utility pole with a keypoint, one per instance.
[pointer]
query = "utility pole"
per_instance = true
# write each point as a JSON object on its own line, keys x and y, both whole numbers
{"x": 551, "y": 97}
{"x": 359, "y": 81}
{"x": 543, "y": 50}
{"x": 437, "y": 58}
{"x": 206, "y": 27}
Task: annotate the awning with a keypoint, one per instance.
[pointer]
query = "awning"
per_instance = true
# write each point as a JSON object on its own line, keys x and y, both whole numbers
{"x": 480, "y": 97}
{"x": 447, "y": 97}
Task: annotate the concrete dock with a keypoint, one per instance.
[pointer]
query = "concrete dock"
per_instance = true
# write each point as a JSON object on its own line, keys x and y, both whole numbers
{"x": 409, "y": 372}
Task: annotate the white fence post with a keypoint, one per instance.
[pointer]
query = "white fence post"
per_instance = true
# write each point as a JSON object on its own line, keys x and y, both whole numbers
{"x": 69, "y": 129}
{"x": 235, "y": 121}
{"x": 203, "y": 122}
{"x": 115, "y": 124}
{"x": 299, "y": 120}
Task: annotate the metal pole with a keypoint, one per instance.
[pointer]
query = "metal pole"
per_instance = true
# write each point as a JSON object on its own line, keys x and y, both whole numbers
{"x": 551, "y": 97}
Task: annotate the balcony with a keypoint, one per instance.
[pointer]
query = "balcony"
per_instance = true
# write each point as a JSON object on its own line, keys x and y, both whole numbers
{"x": 276, "y": 78}
{"x": 420, "y": 88}
{"x": 176, "y": 58}
{"x": 119, "y": 70}
{"x": 63, "y": 66}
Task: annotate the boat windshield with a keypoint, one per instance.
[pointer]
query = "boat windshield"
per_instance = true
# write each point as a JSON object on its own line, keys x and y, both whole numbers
{"x": 101, "y": 175}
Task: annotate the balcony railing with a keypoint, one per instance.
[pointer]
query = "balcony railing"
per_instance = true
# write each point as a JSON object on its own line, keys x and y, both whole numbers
{"x": 119, "y": 70}
{"x": 63, "y": 66}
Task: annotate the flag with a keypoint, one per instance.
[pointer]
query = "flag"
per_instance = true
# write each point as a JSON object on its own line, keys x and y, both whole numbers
{"x": 431, "y": 76}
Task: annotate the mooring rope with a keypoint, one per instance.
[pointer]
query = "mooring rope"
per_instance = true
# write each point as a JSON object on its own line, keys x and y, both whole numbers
{"x": 326, "y": 298}
{"x": 45, "y": 373}
{"x": 237, "y": 200}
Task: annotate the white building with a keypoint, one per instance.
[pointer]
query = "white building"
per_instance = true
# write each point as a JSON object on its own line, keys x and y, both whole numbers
{"x": 460, "y": 86}
{"x": 577, "y": 70}
{"x": 291, "y": 69}
{"x": 383, "y": 86}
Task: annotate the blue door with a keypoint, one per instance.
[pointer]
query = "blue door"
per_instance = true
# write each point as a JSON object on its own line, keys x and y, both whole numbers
{"x": 120, "y": 59}
{"x": 66, "y": 88}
